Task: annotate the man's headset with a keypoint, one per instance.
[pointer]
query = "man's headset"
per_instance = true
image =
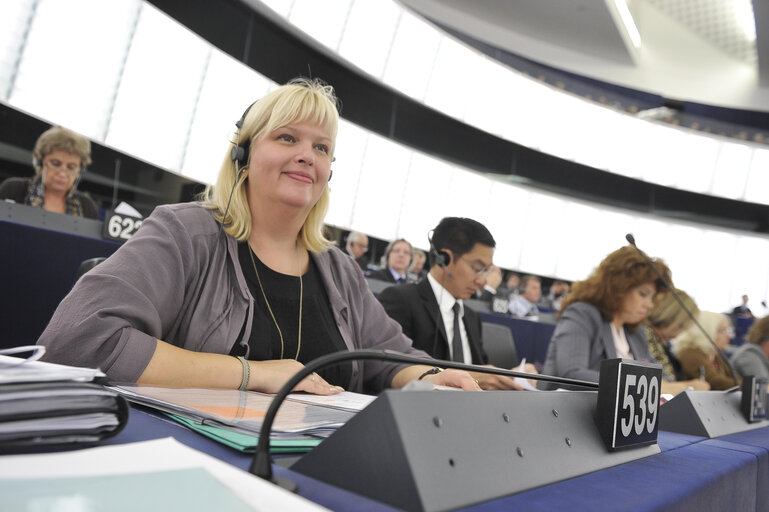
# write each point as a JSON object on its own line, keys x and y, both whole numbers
{"x": 240, "y": 151}
{"x": 440, "y": 258}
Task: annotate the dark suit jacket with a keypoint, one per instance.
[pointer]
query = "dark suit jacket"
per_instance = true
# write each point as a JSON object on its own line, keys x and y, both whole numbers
{"x": 415, "y": 307}
{"x": 383, "y": 274}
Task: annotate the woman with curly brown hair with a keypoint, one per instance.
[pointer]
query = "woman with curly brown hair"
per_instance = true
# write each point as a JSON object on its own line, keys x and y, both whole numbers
{"x": 599, "y": 319}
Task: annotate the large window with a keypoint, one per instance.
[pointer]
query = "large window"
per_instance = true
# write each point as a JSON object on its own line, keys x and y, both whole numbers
{"x": 147, "y": 86}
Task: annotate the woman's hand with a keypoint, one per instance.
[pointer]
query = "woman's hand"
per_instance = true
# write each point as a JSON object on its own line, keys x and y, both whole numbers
{"x": 269, "y": 377}
{"x": 455, "y": 379}
{"x": 489, "y": 381}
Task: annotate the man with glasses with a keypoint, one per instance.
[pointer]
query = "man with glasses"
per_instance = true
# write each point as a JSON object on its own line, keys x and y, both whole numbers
{"x": 357, "y": 246}
{"x": 432, "y": 312}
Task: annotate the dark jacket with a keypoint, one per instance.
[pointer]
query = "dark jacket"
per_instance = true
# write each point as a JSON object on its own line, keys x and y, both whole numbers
{"x": 415, "y": 307}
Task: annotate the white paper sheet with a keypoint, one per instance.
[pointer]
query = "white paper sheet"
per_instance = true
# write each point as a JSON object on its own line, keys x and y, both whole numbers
{"x": 151, "y": 456}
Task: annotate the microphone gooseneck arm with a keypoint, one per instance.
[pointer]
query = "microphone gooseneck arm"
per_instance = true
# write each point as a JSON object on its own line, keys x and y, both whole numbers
{"x": 261, "y": 466}
{"x": 631, "y": 239}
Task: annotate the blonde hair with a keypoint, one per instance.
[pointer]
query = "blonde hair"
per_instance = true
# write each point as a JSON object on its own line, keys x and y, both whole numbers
{"x": 692, "y": 337}
{"x": 668, "y": 311}
{"x": 300, "y": 100}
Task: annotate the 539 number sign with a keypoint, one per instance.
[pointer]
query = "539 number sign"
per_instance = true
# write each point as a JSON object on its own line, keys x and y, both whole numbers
{"x": 628, "y": 403}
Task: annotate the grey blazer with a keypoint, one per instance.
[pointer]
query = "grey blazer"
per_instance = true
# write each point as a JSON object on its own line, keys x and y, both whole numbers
{"x": 749, "y": 359}
{"x": 178, "y": 279}
{"x": 582, "y": 339}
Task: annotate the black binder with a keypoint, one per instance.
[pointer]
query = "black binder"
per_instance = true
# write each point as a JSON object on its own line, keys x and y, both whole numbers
{"x": 42, "y": 415}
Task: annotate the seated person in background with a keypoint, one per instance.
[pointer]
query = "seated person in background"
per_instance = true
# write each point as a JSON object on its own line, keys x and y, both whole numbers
{"x": 743, "y": 310}
{"x": 699, "y": 359}
{"x": 601, "y": 316}
{"x": 752, "y": 357}
{"x": 489, "y": 291}
{"x": 558, "y": 291}
{"x": 59, "y": 158}
{"x": 395, "y": 263}
{"x": 230, "y": 291}
{"x": 525, "y": 304}
{"x": 664, "y": 323}
{"x": 357, "y": 246}
{"x": 417, "y": 270}
{"x": 509, "y": 288}
{"x": 432, "y": 312}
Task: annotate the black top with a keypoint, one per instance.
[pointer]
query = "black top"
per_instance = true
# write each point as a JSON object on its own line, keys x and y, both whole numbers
{"x": 320, "y": 335}
{"x": 16, "y": 189}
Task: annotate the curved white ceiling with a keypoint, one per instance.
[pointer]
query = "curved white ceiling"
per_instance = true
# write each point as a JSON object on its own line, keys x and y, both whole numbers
{"x": 705, "y": 51}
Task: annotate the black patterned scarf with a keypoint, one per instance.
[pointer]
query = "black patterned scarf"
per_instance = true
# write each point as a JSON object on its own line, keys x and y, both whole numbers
{"x": 36, "y": 197}
{"x": 657, "y": 349}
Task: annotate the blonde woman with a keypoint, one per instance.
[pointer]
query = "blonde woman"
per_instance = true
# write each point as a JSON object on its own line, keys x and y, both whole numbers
{"x": 242, "y": 290}
{"x": 665, "y": 322}
{"x": 699, "y": 359}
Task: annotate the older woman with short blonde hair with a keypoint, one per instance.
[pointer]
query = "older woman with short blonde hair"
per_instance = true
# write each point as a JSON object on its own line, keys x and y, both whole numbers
{"x": 699, "y": 358}
{"x": 59, "y": 158}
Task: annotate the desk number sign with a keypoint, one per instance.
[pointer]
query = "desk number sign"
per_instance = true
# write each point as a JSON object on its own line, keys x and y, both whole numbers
{"x": 119, "y": 227}
{"x": 628, "y": 403}
{"x": 754, "y": 398}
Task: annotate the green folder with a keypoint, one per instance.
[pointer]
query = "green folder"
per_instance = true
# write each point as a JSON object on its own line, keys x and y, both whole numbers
{"x": 245, "y": 442}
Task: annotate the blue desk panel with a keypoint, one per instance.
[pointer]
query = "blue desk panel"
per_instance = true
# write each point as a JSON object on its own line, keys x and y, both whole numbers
{"x": 37, "y": 269}
{"x": 691, "y": 473}
{"x": 531, "y": 338}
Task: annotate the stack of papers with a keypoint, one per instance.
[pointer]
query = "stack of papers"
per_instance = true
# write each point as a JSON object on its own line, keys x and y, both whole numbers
{"x": 43, "y": 404}
{"x": 244, "y": 411}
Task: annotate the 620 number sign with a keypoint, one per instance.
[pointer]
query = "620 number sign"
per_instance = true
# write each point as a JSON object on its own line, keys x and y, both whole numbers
{"x": 628, "y": 403}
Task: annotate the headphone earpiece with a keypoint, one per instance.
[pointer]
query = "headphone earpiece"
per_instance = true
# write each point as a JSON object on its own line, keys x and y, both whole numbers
{"x": 239, "y": 153}
{"x": 441, "y": 258}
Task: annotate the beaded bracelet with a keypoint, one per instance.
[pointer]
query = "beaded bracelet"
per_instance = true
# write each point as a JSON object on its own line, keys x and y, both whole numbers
{"x": 246, "y": 373}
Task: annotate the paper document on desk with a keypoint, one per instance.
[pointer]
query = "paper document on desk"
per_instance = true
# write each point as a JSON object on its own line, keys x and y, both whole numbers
{"x": 241, "y": 410}
{"x": 161, "y": 474}
{"x": 344, "y": 401}
{"x": 14, "y": 370}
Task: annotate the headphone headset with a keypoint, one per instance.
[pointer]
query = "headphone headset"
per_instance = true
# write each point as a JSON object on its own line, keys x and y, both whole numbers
{"x": 239, "y": 153}
{"x": 441, "y": 258}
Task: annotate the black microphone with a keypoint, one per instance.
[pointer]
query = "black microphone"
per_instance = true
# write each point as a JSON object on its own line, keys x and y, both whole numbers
{"x": 115, "y": 182}
{"x": 631, "y": 239}
{"x": 261, "y": 466}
